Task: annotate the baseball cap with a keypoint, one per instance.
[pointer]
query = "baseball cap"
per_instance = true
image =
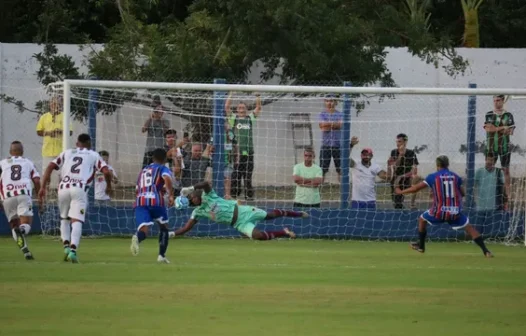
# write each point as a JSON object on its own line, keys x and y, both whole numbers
{"x": 367, "y": 150}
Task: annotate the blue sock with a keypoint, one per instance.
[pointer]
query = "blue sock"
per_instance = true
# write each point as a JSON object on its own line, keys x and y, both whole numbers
{"x": 163, "y": 241}
{"x": 141, "y": 235}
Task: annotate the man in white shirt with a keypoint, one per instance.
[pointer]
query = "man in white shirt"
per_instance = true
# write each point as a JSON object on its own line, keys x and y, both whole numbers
{"x": 364, "y": 175}
{"x": 17, "y": 174}
{"x": 100, "y": 181}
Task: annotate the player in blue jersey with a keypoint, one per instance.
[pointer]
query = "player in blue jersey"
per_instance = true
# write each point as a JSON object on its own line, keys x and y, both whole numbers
{"x": 154, "y": 181}
{"x": 447, "y": 192}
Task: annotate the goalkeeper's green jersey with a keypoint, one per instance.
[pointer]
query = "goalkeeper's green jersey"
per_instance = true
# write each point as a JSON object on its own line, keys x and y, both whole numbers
{"x": 215, "y": 208}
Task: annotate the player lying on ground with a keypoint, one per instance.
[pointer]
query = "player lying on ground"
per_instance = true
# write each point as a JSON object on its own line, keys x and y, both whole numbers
{"x": 16, "y": 175}
{"x": 77, "y": 170}
{"x": 241, "y": 217}
{"x": 447, "y": 205}
{"x": 150, "y": 206}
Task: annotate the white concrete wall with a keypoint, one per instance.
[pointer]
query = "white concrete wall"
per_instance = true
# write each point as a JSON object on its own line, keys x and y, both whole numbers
{"x": 436, "y": 121}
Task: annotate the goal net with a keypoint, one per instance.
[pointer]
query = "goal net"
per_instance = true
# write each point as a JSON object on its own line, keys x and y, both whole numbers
{"x": 129, "y": 121}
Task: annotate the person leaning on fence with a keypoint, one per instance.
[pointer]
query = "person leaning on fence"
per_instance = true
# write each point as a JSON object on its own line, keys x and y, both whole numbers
{"x": 242, "y": 123}
{"x": 308, "y": 177}
{"x": 50, "y": 126}
{"x": 490, "y": 193}
{"x": 155, "y": 127}
{"x": 331, "y": 121}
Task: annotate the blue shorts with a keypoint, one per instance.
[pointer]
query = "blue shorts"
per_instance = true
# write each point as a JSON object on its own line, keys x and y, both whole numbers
{"x": 363, "y": 204}
{"x": 459, "y": 222}
{"x": 146, "y": 216}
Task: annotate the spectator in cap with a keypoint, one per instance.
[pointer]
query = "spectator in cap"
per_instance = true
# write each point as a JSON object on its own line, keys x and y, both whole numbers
{"x": 364, "y": 173}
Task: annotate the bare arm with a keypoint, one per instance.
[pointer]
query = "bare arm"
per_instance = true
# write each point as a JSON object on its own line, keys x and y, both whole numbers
{"x": 169, "y": 188}
{"x": 384, "y": 175}
{"x": 47, "y": 175}
{"x": 257, "y": 110}
{"x": 187, "y": 227}
{"x": 203, "y": 185}
{"x": 108, "y": 176}
{"x": 36, "y": 182}
{"x": 412, "y": 189}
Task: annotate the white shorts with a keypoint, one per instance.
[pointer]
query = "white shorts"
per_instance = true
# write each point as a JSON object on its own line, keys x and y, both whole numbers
{"x": 18, "y": 206}
{"x": 73, "y": 203}
{"x": 55, "y": 175}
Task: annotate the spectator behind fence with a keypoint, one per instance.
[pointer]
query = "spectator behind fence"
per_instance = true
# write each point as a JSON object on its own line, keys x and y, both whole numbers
{"x": 231, "y": 159}
{"x": 499, "y": 126}
{"x": 185, "y": 144}
{"x": 490, "y": 193}
{"x": 403, "y": 163}
{"x": 50, "y": 127}
{"x": 155, "y": 127}
{"x": 308, "y": 177}
{"x": 243, "y": 126}
{"x": 196, "y": 165}
{"x": 174, "y": 158}
{"x": 331, "y": 121}
{"x": 100, "y": 181}
{"x": 364, "y": 175}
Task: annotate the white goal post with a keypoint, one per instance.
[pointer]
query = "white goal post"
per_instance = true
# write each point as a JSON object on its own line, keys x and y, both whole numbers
{"x": 365, "y": 129}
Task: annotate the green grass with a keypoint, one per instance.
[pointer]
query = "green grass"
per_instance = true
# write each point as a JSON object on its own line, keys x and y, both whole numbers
{"x": 241, "y": 287}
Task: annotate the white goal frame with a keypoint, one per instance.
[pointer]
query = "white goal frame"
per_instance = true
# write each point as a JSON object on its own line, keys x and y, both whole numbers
{"x": 68, "y": 84}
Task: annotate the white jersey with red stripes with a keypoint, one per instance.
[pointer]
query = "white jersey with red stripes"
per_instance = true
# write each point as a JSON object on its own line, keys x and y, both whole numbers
{"x": 78, "y": 167}
{"x": 16, "y": 176}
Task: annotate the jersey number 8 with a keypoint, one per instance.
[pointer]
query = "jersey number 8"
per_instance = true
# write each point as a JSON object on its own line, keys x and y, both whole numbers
{"x": 16, "y": 172}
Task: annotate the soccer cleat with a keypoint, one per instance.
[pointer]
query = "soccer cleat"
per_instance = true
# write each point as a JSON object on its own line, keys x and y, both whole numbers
{"x": 304, "y": 214}
{"x": 28, "y": 256}
{"x": 67, "y": 250}
{"x": 72, "y": 256}
{"x": 416, "y": 247}
{"x": 134, "y": 247}
{"x": 162, "y": 260}
{"x": 290, "y": 233}
{"x": 488, "y": 254}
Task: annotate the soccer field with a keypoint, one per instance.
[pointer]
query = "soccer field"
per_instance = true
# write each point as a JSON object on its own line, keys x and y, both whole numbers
{"x": 242, "y": 287}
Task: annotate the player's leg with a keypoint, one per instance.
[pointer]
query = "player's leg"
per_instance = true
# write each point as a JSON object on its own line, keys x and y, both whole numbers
{"x": 11, "y": 211}
{"x": 64, "y": 201}
{"x": 277, "y": 213}
{"x": 143, "y": 220}
{"x": 25, "y": 214}
{"x": 462, "y": 222}
{"x": 77, "y": 213}
{"x": 249, "y": 230}
{"x": 423, "y": 220}
{"x": 161, "y": 217}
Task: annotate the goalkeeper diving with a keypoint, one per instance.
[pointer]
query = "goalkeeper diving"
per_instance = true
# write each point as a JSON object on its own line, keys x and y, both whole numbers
{"x": 241, "y": 217}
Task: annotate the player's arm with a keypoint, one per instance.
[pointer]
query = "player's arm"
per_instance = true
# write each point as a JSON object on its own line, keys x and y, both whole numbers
{"x": 108, "y": 176}
{"x": 202, "y": 185}
{"x": 187, "y": 227}
{"x": 146, "y": 125}
{"x": 35, "y": 178}
{"x": 413, "y": 189}
{"x": 169, "y": 187}
{"x": 257, "y": 110}
{"x": 47, "y": 174}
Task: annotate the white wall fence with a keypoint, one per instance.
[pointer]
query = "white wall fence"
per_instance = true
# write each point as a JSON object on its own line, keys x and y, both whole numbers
{"x": 439, "y": 122}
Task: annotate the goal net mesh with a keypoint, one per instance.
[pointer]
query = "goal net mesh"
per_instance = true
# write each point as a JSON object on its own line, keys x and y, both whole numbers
{"x": 132, "y": 122}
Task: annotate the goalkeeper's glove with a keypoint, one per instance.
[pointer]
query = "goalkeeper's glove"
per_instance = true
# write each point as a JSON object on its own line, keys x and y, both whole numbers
{"x": 186, "y": 191}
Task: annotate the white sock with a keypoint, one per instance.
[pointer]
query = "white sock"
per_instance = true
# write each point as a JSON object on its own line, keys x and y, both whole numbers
{"x": 76, "y": 233}
{"x": 65, "y": 230}
{"x": 13, "y": 232}
{"x": 25, "y": 229}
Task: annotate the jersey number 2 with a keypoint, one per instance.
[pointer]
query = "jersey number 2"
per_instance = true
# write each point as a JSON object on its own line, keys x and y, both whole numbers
{"x": 78, "y": 162}
{"x": 449, "y": 190}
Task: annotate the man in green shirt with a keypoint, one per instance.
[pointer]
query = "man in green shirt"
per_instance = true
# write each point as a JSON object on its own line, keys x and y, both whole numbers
{"x": 308, "y": 177}
{"x": 489, "y": 186}
{"x": 242, "y": 123}
{"x": 241, "y": 217}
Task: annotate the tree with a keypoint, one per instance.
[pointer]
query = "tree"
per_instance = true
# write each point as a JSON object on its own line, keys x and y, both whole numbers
{"x": 471, "y": 38}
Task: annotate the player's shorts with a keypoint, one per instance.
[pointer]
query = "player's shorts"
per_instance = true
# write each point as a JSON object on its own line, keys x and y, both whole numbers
{"x": 147, "y": 216}
{"x": 458, "y": 223}
{"x": 247, "y": 217}
{"x": 18, "y": 206}
{"x": 73, "y": 203}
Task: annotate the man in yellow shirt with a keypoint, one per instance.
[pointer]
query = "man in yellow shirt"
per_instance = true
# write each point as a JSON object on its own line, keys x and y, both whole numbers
{"x": 50, "y": 126}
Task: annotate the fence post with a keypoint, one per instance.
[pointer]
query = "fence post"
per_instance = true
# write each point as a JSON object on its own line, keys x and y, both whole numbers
{"x": 471, "y": 145}
{"x": 218, "y": 158}
{"x": 93, "y": 95}
{"x": 345, "y": 150}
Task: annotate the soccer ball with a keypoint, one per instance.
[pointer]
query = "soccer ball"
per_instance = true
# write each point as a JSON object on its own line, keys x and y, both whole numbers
{"x": 181, "y": 203}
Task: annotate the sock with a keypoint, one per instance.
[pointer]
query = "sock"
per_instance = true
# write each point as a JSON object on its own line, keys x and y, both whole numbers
{"x": 65, "y": 230}
{"x": 163, "y": 241}
{"x": 25, "y": 229}
{"x": 268, "y": 235}
{"x": 276, "y": 213}
{"x": 422, "y": 239}
{"x": 20, "y": 240}
{"x": 141, "y": 236}
{"x": 76, "y": 233}
{"x": 480, "y": 242}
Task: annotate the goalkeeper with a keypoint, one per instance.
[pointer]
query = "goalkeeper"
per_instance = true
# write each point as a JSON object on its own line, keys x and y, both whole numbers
{"x": 241, "y": 217}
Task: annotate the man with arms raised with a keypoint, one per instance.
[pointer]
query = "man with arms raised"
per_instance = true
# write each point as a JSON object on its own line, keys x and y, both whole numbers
{"x": 16, "y": 175}
{"x": 77, "y": 169}
{"x": 241, "y": 217}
